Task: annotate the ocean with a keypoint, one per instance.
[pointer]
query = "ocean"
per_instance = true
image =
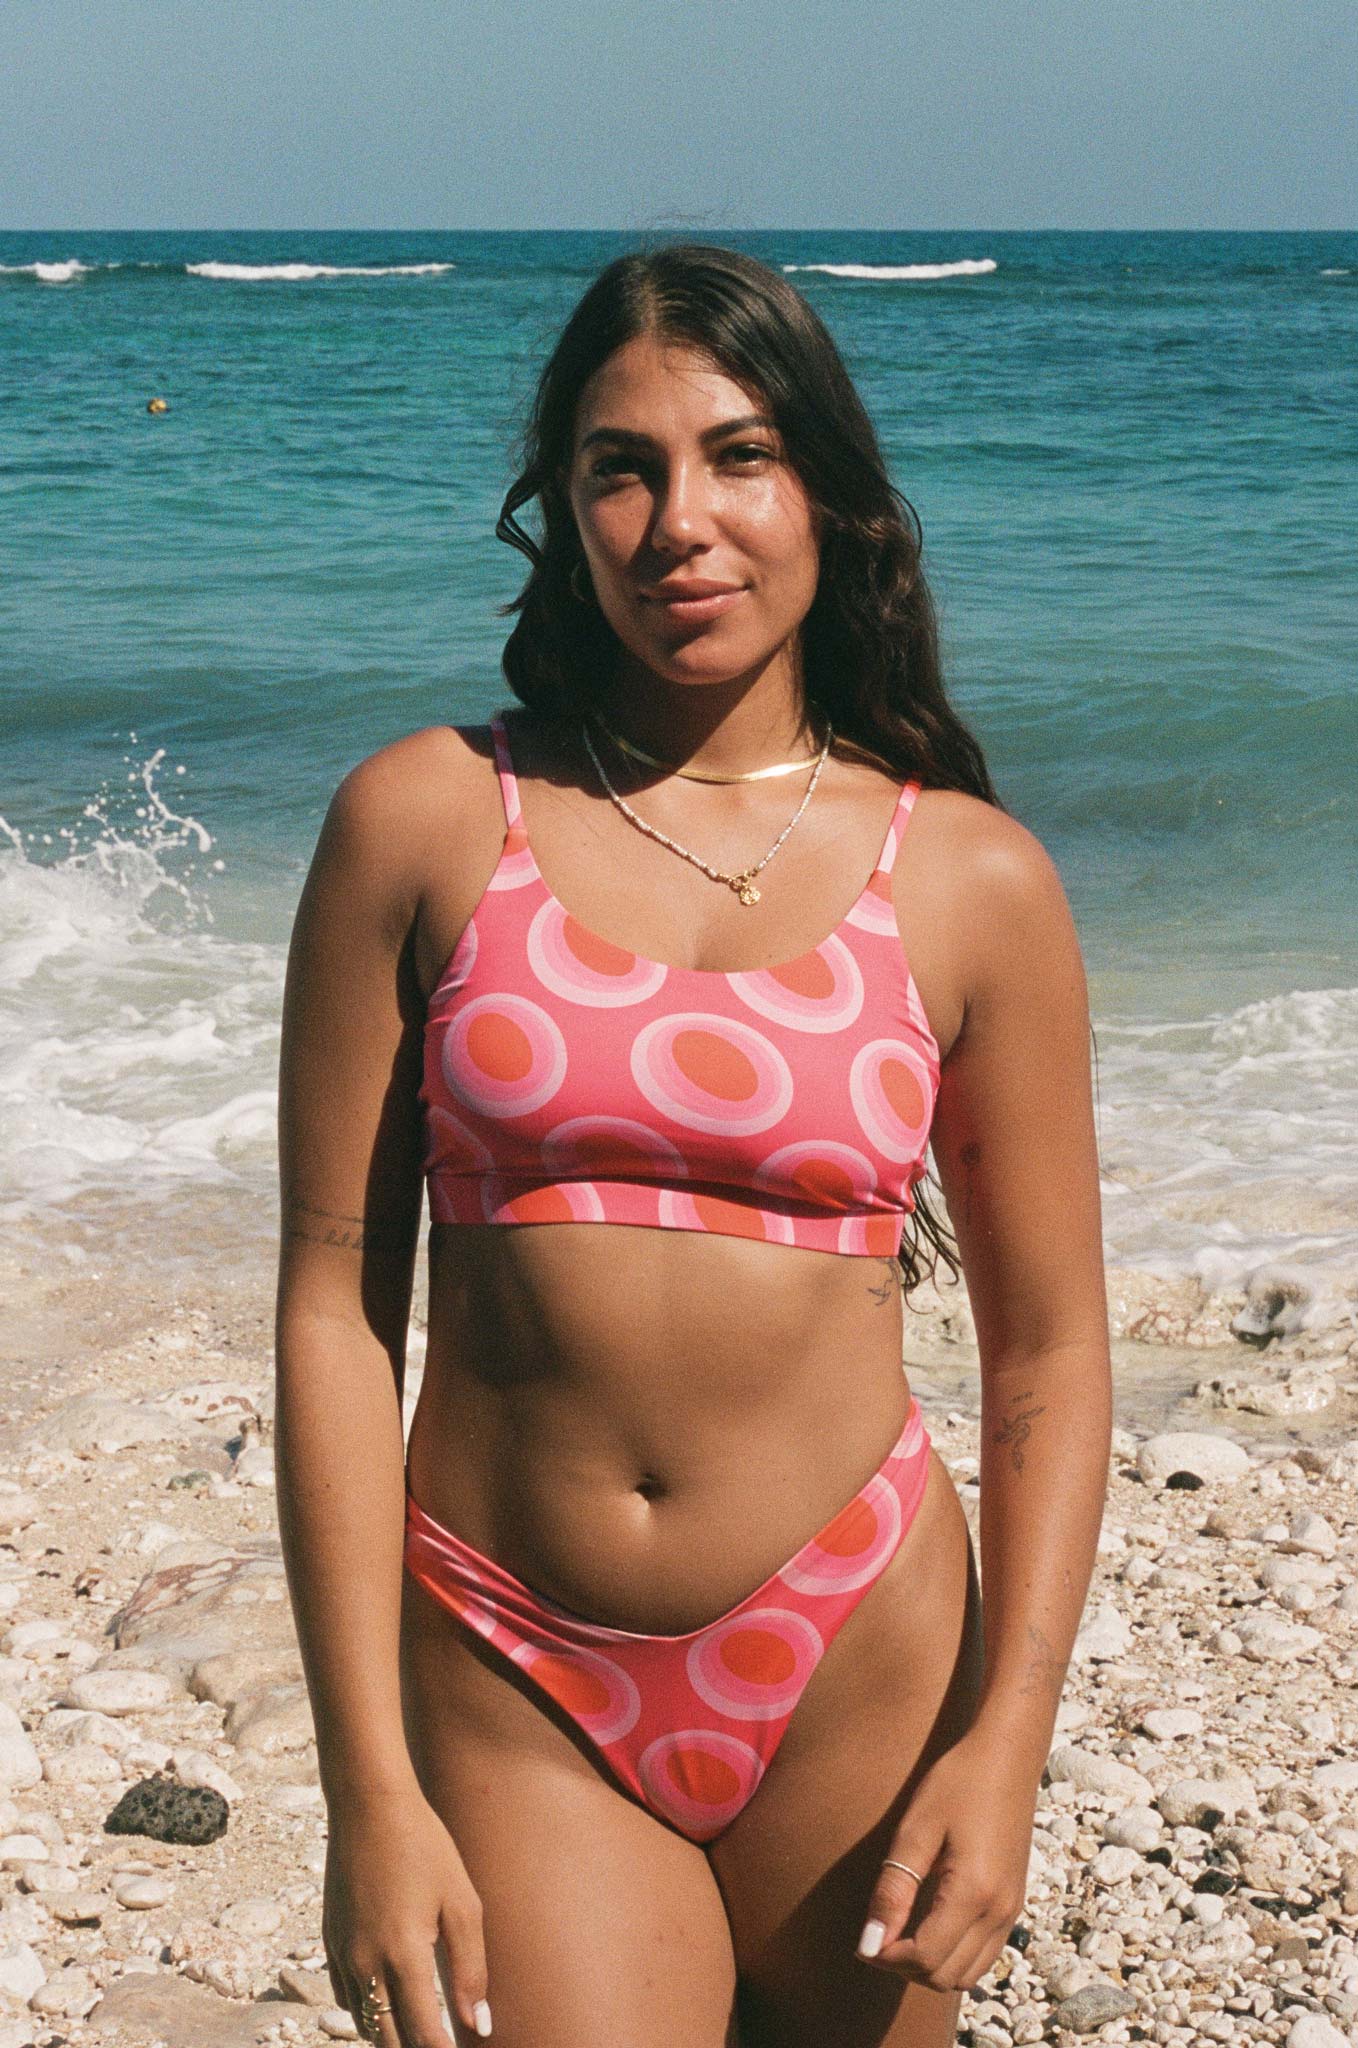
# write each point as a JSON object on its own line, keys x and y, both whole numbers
{"x": 1135, "y": 463}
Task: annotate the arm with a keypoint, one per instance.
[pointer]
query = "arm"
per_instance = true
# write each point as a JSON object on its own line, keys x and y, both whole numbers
{"x": 1015, "y": 1147}
{"x": 349, "y": 1149}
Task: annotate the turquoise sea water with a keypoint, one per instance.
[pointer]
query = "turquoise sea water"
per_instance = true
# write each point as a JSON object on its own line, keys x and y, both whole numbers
{"x": 1134, "y": 457}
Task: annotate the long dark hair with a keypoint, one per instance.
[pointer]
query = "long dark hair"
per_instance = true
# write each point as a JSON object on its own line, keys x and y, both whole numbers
{"x": 870, "y": 659}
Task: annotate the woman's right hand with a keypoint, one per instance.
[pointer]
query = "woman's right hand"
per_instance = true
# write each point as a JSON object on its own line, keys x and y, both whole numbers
{"x": 395, "y": 1887}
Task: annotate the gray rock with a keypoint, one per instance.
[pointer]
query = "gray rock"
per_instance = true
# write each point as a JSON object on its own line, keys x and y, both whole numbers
{"x": 180, "y": 1615}
{"x": 169, "y": 2008}
{"x": 100, "y": 1422}
{"x": 1088, "y": 2010}
{"x": 1269, "y": 1639}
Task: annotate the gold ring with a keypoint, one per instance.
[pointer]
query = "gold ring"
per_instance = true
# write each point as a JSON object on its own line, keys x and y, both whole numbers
{"x": 370, "y": 2009}
{"x": 890, "y": 1862}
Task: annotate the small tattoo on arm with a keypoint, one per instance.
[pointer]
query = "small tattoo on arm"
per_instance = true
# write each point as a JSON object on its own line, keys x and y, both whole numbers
{"x": 882, "y": 1290}
{"x": 346, "y": 1233}
{"x": 1017, "y": 1426}
{"x": 1046, "y": 1673}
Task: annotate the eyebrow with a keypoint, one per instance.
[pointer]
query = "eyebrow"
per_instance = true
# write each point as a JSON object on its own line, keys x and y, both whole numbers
{"x": 626, "y": 436}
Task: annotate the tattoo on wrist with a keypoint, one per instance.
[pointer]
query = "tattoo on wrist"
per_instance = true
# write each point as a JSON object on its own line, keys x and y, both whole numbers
{"x": 311, "y": 1225}
{"x": 1046, "y": 1673}
{"x": 1017, "y": 1426}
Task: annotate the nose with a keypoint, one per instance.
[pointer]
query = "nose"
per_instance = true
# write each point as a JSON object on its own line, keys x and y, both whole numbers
{"x": 683, "y": 511}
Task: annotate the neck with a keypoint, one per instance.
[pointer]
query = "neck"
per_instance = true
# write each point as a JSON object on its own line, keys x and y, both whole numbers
{"x": 723, "y": 728}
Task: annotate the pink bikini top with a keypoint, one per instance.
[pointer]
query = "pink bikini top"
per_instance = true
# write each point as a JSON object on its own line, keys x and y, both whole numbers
{"x": 568, "y": 1079}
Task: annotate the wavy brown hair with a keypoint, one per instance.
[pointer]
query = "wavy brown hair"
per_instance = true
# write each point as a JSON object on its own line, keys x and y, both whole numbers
{"x": 870, "y": 658}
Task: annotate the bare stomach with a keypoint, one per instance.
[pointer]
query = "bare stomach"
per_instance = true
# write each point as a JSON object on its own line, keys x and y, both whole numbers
{"x": 646, "y": 1424}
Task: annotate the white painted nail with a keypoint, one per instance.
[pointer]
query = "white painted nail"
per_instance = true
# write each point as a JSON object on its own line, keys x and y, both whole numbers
{"x": 871, "y": 1939}
{"x": 481, "y": 2018}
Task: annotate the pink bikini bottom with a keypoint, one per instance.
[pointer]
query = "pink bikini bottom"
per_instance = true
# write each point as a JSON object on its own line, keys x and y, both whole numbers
{"x": 688, "y": 1724}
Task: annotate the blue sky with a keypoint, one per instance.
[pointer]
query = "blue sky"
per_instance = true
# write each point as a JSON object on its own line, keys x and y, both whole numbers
{"x": 855, "y": 113}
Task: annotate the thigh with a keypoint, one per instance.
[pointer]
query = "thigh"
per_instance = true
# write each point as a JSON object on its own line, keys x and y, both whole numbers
{"x": 601, "y": 1923}
{"x": 896, "y": 1688}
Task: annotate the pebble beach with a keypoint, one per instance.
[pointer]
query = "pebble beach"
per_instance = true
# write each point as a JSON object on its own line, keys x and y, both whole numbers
{"x": 1194, "y": 1873}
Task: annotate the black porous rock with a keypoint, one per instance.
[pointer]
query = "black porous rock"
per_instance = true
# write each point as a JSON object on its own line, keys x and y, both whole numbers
{"x": 169, "y": 1812}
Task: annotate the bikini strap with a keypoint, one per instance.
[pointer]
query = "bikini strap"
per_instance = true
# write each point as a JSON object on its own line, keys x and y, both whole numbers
{"x": 504, "y": 765}
{"x": 895, "y": 831}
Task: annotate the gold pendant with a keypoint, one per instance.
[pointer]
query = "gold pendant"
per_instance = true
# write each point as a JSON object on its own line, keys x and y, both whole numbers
{"x": 745, "y": 888}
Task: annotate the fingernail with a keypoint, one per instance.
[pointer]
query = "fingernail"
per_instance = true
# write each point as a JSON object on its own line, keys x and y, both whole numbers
{"x": 481, "y": 2018}
{"x": 871, "y": 1939}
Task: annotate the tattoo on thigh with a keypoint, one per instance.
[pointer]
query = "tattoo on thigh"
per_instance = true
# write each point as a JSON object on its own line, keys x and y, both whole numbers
{"x": 1046, "y": 1673}
{"x": 346, "y": 1233}
{"x": 1017, "y": 1426}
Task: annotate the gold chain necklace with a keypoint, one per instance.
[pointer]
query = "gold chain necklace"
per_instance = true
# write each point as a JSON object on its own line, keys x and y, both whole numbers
{"x": 742, "y": 883}
{"x": 701, "y": 774}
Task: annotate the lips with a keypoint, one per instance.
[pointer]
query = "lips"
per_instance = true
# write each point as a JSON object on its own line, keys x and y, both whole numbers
{"x": 695, "y": 600}
{"x": 690, "y": 590}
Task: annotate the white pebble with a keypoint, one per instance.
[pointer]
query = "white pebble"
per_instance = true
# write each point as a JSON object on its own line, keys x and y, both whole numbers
{"x": 141, "y": 1894}
{"x": 1208, "y": 1458}
{"x": 21, "y": 1970}
{"x": 1313, "y": 2030}
{"x": 118, "y": 1692}
{"x": 1165, "y": 1724}
{"x": 339, "y": 2025}
{"x": 1340, "y": 1777}
{"x": 1136, "y": 1827}
{"x": 1310, "y": 1535}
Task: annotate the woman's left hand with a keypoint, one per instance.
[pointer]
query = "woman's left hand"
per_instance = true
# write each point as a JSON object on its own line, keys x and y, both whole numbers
{"x": 968, "y": 1831}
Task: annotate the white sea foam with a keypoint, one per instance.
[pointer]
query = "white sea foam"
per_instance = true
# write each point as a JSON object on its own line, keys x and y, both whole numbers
{"x": 1231, "y": 1139}
{"x": 137, "y": 1047}
{"x": 300, "y": 273}
{"x": 918, "y": 272}
{"x": 65, "y": 272}
{"x": 1336, "y": 273}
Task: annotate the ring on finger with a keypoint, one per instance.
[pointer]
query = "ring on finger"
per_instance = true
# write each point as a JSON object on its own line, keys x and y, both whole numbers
{"x": 892, "y": 1863}
{"x": 370, "y": 2007}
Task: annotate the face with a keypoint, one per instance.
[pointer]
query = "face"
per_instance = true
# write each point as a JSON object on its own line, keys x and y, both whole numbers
{"x": 699, "y": 536}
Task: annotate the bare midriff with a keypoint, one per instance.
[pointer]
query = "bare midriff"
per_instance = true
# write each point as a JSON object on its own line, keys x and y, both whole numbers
{"x": 646, "y": 1424}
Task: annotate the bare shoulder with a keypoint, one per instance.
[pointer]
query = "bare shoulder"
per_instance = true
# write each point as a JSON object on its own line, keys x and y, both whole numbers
{"x": 993, "y": 881}
{"x": 426, "y": 785}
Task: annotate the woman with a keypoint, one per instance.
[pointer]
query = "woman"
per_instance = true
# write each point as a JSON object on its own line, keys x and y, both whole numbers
{"x": 682, "y": 1723}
